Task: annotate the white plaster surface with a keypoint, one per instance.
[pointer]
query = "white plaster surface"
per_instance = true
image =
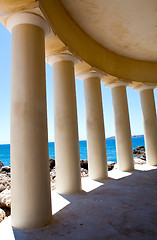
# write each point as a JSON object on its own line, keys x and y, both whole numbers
{"x": 119, "y": 208}
{"x": 125, "y": 27}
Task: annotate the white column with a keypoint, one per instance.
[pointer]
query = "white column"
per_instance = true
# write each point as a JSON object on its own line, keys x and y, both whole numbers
{"x": 30, "y": 186}
{"x": 122, "y": 127}
{"x": 149, "y": 123}
{"x": 96, "y": 144}
{"x": 67, "y": 155}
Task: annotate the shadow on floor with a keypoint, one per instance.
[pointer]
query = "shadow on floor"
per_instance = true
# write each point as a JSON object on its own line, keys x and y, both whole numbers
{"x": 117, "y": 209}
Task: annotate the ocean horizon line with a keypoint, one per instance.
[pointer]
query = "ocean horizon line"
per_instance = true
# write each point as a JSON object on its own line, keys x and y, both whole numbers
{"x": 112, "y": 137}
{"x": 137, "y": 140}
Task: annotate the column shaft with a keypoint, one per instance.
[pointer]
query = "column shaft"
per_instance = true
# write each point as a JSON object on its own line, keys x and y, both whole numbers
{"x": 66, "y": 129}
{"x": 150, "y": 125}
{"x": 96, "y": 145}
{"x": 122, "y": 129}
{"x": 30, "y": 192}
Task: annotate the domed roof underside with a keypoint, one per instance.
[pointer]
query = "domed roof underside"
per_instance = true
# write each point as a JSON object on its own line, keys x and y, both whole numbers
{"x": 117, "y": 38}
{"x": 128, "y": 28}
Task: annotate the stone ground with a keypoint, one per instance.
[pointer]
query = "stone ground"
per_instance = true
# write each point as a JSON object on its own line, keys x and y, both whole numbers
{"x": 119, "y": 208}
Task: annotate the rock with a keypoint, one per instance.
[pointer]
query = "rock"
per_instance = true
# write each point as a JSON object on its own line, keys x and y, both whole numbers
{"x": 53, "y": 173}
{"x": 84, "y": 164}
{"x": 1, "y": 164}
{"x": 116, "y": 166}
{"x": 51, "y": 163}
{"x": 138, "y": 160}
{"x": 5, "y": 198}
{"x": 7, "y": 211}
{"x": 5, "y": 169}
{"x": 110, "y": 165}
{"x": 53, "y": 178}
{"x": 139, "y": 150}
{"x": 143, "y": 157}
{"x": 84, "y": 172}
{"x": 5, "y": 181}
{"x": 2, "y": 215}
{"x": 2, "y": 187}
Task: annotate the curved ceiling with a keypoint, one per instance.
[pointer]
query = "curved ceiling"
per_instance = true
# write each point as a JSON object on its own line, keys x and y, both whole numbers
{"x": 114, "y": 37}
{"x": 79, "y": 42}
{"x": 128, "y": 28}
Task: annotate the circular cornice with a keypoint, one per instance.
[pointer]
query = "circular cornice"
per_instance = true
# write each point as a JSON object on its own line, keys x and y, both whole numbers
{"x": 86, "y": 48}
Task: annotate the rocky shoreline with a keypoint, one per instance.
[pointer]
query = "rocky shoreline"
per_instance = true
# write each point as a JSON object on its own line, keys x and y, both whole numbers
{"x": 5, "y": 191}
{"x": 5, "y": 178}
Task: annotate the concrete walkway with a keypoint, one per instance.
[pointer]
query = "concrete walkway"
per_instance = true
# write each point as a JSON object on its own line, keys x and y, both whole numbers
{"x": 119, "y": 208}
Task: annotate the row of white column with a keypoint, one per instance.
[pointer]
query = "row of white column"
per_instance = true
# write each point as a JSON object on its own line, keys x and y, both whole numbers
{"x": 31, "y": 196}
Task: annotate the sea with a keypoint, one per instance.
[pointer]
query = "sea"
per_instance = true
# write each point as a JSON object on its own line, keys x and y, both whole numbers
{"x": 110, "y": 146}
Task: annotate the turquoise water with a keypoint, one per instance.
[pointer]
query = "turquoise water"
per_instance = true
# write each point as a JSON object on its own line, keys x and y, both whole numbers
{"x": 110, "y": 145}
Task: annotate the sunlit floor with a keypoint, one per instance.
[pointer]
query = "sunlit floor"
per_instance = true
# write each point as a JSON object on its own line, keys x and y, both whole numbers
{"x": 124, "y": 206}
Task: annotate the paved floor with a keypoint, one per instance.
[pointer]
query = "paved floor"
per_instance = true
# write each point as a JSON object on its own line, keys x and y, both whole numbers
{"x": 121, "y": 207}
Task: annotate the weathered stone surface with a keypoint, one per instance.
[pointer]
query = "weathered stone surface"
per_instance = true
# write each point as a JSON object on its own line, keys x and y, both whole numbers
{"x": 1, "y": 164}
{"x": 53, "y": 173}
{"x": 5, "y": 193}
{"x": 53, "y": 178}
{"x": 5, "y": 181}
{"x": 2, "y": 215}
{"x": 2, "y": 187}
{"x": 51, "y": 163}
{"x": 138, "y": 160}
{"x": 5, "y": 198}
{"x": 143, "y": 157}
{"x": 84, "y": 164}
{"x": 116, "y": 166}
{"x": 84, "y": 172}
{"x": 110, "y": 165}
{"x": 7, "y": 211}
{"x": 139, "y": 150}
{"x": 5, "y": 169}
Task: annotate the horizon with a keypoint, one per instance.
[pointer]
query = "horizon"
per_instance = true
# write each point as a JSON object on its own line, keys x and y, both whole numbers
{"x": 135, "y": 135}
{"x": 134, "y": 105}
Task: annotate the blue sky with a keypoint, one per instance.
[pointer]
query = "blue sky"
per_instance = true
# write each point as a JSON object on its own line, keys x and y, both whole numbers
{"x": 5, "y": 77}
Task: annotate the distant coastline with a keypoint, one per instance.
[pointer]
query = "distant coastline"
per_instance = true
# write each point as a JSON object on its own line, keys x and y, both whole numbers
{"x": 133, "y": 136}
{"x": 137, "y": 140}
{"x": 112, "y": 137}
{"x": 138, "y": 135}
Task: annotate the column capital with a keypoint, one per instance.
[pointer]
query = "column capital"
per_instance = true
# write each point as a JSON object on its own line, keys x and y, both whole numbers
{"x": 28, "y": 18}
{"x": 53, "y": 58}
{"x": 117, "y": 84}
{"x": 91, "y": 74}
{"x": 143, "y": 87}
